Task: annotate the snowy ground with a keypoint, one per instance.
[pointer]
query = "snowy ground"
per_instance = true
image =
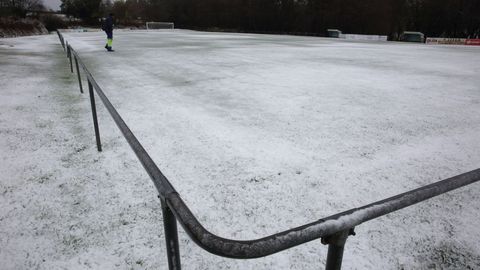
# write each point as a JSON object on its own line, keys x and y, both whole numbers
{"x": 258, "y": 133}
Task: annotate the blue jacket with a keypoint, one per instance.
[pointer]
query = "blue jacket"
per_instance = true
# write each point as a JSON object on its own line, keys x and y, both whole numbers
{"x": 108, "y": 24}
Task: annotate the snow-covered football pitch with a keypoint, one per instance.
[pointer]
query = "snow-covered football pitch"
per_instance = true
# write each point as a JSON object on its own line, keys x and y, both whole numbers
{"x": 258, "y": 133}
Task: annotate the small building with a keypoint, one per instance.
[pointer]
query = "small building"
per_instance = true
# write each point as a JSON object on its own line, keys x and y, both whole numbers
{"x": 410, "y": 36}
{"x": 334, "y": 33}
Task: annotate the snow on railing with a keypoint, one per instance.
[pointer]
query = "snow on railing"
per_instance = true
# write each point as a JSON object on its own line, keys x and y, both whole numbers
{"x": 333, "y": 230}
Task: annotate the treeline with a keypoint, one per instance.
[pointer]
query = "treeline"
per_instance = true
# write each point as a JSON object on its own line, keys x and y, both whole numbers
{"x": 448, "y": 18}
{"x": 28, "y": 17}
{"x": 19, "y": 8}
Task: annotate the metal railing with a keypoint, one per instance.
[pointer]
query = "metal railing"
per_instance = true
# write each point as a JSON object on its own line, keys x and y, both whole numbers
{"x": 333, "y": 230}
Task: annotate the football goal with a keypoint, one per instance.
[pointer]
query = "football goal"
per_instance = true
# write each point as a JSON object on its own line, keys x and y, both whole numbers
{"x": 159, "y": 25}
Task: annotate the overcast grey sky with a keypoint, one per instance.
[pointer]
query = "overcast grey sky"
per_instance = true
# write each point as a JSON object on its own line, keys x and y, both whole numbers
{"x": 53, "y": 4}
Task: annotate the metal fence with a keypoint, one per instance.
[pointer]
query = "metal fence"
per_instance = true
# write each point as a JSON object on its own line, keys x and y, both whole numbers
{"x": 333, "y": 230}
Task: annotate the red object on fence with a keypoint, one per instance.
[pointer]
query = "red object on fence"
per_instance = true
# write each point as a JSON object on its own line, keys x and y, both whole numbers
{"x": 473, "y": 42}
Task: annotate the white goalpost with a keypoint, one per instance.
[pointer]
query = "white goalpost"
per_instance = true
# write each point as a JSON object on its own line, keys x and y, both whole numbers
{"x": 160, "y": 25}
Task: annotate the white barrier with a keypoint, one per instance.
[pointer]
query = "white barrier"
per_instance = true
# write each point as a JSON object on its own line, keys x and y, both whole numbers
{"x": 364, "y": 37}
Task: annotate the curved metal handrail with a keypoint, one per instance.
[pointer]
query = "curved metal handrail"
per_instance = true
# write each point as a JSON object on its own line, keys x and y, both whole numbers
{"x": 318, "y": 229}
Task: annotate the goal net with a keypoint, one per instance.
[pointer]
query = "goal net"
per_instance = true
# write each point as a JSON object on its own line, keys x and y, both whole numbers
{"x": 159, "y": 25}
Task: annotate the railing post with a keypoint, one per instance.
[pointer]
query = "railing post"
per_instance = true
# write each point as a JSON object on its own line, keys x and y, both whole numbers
{"x": 94, "y": 114}
{"x": 78, "y": 73}
{"x": 336, "y": 245}
{"x": 171, "y": 237}
{"x": 70, "y": 57}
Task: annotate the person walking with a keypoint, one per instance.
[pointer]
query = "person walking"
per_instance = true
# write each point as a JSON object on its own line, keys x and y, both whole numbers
{"x": 108, "y": 28}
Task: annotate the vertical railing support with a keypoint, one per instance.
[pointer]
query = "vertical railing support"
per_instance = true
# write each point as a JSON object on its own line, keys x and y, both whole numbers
{"x": 171, "y": 237}
{"x": 78, "y": 73}
{"x": 70, "y": 57}
{"x": 336, "y": 245}
{"x": 94, "y": 114}
{"x": 68, "y": 48}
